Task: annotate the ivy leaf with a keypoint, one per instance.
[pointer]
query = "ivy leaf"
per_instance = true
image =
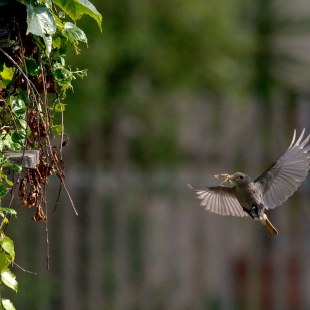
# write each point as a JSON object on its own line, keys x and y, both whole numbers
{"x": 60, "y": 107}
{"x": 15, "y": 167}
{"x": 3, "y": 190}
{"x": 7, "y": 304}
{"x": 9, "y": 279}
{"x": 18, "y": 106}
{"x": 7, "y": 140}
{"x": 58, "y": 129}
{"x": 22, "y": 123}
{"x": 4, "y": 262}
{"x": 8, "y": 246}
{"x": 74, "y": 33}
{"x": 77, "y": 8}
{"x": 33, "y": 69}
{"x": 18, "y": 137}
{"x": 8, "y": 182}
{"x": 7, "y": 75}
{"x": 41, "y": 23}
{"x": 63, "y": 76}
{"x": 8, "y": 211}
{"x": 5, "y": 219}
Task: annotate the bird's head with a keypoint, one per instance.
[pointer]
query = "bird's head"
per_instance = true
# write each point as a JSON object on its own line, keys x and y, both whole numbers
{"x": 237, "y": 178}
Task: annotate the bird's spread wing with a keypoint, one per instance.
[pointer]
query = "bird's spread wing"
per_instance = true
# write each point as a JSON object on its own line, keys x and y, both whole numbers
{"x": 282, "y": 179}
{"x": 220, "y": 200}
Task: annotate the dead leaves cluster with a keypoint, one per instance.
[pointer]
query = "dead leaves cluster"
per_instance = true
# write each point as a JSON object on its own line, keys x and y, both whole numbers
{"x": 31, "y": 190}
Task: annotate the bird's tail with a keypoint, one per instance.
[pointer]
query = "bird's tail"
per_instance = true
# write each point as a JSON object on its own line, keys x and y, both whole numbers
{"x": 265, "y": 221}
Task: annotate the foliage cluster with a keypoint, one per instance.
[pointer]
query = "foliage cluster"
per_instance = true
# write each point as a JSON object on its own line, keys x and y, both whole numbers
{"x": 34, "y": 80}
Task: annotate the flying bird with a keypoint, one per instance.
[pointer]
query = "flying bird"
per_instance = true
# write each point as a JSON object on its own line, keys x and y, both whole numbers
{"x": 248, "y": 197}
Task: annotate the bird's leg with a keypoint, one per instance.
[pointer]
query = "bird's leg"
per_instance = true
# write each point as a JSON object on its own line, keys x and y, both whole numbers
{"x": 254, "y": 210}
{"x": 257, "y": 210}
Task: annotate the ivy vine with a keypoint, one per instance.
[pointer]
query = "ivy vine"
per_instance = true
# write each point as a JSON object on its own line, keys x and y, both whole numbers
{"x": 34, "y": 80}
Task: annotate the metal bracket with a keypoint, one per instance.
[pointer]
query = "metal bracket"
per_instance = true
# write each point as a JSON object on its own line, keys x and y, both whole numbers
{"x": 27, "y": 159}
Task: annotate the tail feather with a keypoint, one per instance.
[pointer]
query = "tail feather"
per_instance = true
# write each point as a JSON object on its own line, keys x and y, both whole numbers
{"x": 271, "y": 229}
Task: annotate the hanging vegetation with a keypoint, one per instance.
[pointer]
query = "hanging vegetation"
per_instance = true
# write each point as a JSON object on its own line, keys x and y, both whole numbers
{"x": 34, "y": 79}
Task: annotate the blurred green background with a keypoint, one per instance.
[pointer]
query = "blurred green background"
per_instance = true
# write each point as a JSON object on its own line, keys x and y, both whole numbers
{"x": 176, "y": 91}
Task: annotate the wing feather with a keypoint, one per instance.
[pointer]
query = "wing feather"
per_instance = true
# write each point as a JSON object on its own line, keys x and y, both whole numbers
{"x": 283, "y": 178}
{"x": 220, "y": 200}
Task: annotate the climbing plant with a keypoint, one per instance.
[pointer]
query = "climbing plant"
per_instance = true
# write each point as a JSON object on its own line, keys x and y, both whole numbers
{"x": 34, "y": 80}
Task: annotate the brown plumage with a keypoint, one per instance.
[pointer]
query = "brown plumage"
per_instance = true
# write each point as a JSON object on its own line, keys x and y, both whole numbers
{"x": 270, "y": 189}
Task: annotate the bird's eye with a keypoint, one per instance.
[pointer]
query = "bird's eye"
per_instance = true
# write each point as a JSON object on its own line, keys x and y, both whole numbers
{"x": 241, "y": 177}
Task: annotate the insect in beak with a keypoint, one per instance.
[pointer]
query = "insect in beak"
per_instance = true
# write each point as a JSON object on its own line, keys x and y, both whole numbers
{"x": 225, "y": 177}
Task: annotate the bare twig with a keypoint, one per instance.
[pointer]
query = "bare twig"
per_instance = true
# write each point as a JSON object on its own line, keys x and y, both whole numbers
{"x": 24, "y": 270}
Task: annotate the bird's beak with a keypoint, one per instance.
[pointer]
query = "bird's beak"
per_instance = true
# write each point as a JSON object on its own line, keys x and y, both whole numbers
{"x": 225, "y": 177}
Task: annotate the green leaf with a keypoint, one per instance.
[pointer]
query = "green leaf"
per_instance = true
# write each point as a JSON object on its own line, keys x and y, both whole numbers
{"x": 22, "y": 94}
{"x": 8, "y": 211}
{"x": 8, "y": 141}
{"x": 3, "y": 160}
{"x": 41, "y": 23}
{"x": 8, "y": 182}
{"x": 63, "y": 76}
{"x": 5, "y": 219}
{"x": 73, "y": 33}
{"x": 8, "y": 246}
{"x": 18, "y": 106}
{"x": 4, "y": 261}
{"x": 3, "y": 190}
{"x": 57, "y": 41}
{"x": 77, "y": 8}
{"x": 60, "y": 107}
{"x": 18, "y": 137}
{"x": 9, "y": 279}
{"x": 33, "y": 69}
{"x": 15, "y": 167}
{"x": 7, "y": 304}
{"x": 58, "y": 129}
{"x": 7, "y": 74}
{"x": 22, "y": 123}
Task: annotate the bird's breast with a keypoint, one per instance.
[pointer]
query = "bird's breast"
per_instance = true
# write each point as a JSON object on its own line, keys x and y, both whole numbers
{"x": 249, "y": 195}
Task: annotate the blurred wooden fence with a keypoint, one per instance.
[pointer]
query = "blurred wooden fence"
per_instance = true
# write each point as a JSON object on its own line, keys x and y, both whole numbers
{"x": 141, "y": 241}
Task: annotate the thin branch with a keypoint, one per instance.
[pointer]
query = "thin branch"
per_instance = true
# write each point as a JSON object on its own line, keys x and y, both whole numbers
{"x": 62, "y": 132}
{"x": 58, "y": 196}
{"x": 69, "y": 196}
{"x": 21, "y": 71}
{"x": 24, "y": 270}
{"x": 46, "y": 231}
